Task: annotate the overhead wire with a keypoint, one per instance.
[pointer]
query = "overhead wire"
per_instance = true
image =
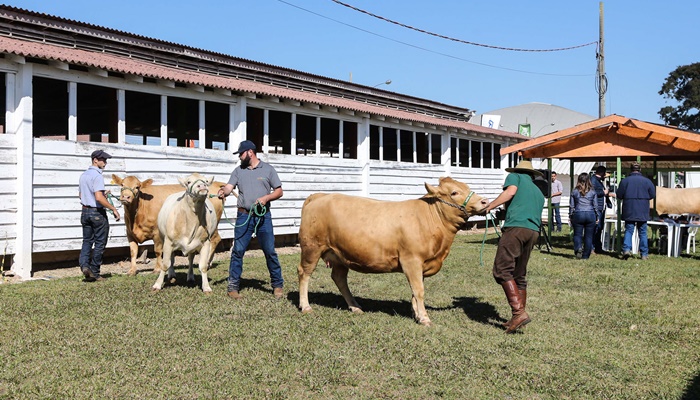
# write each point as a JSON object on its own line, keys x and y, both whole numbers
{"x": 429, "y": 50}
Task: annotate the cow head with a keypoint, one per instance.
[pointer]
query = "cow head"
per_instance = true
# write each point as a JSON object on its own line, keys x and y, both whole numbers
{"x": 130, "y": 188}
{"x": 459, "y": 196}
{"x": 196, "y": 185}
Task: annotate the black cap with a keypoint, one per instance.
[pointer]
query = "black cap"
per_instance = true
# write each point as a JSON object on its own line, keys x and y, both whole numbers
{"x": 100, "y": 154}
{"x": 600, "y": 170}
{"x": 245, "y": 146}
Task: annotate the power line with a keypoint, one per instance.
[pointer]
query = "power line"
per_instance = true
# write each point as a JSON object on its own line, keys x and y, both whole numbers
{"x": 429, "y": 50}
{"x": 458, "y": 40}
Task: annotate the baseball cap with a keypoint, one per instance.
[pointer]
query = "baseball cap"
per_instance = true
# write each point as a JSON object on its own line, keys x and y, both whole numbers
{"x": 100, "y": 154}
{"x": 245, "y": 146}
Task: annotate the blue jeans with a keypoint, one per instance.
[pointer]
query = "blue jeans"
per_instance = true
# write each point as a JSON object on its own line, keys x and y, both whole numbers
{"x": 95, "y": 231}
{"x": 584, "y": 227}
{"x": 557, "y": 215}
{"x": 266, "y": 238}
{"x": 641, "y": 227}
{"x": 598, "y": 235}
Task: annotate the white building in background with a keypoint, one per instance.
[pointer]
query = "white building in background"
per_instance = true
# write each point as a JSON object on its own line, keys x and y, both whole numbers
{"x": 164, "y": 110}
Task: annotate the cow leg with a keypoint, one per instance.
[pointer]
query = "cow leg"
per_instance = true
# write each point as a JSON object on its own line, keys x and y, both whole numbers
{"x": 134, "y": 250}
{"x": 167, "y": 263}
{"x": 306, "y": 267}
{"x": 340, "y": 277}
{"x": 215, "y": 239}
{"x": 158, "y": 249}
{"x": 415, "y": 280}
{"x": 204, "y": 258}
{"x": 190, "y": 268}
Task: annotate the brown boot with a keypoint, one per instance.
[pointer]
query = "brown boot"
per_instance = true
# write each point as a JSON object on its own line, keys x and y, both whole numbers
{"x": 523, "y": 298}
{"x": 517, "y": 306}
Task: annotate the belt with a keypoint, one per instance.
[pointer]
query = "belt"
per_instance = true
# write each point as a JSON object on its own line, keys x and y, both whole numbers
{"x": 243, "y": 210}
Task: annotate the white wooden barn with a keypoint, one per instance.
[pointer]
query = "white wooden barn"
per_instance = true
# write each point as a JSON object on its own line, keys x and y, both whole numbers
{"x": 165, "y": 110}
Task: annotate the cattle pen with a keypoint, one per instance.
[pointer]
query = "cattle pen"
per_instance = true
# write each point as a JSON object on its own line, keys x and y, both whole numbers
{"x": 165, "y": 110}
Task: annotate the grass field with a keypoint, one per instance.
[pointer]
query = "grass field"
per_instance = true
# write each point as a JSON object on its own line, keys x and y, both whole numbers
{"x": 601, "y": 329}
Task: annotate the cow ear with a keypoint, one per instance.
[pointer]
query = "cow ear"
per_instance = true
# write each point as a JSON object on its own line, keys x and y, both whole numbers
{"x": 210, "y": 181}
{"x": 182, "y": 181}
{"x": 116, "y": 179}
{"x": 431, "y": 189}
{"x": 146, "y": 183}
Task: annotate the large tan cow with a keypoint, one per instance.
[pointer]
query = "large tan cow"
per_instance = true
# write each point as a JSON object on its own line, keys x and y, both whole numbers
{"x": 142, "y": 202}
{"x": 677, "y": 201}
{"x": 372, "y": 236}
{"x": 188, "y": 222}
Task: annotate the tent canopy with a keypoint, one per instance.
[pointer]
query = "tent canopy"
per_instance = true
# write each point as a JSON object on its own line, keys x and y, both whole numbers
{"x": 610, "y": 138}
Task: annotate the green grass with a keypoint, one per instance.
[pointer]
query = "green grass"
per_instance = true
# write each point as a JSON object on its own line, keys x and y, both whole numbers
{"x": 601, "y": 328}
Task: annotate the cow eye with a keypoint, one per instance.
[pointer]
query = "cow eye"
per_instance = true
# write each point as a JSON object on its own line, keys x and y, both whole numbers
{"x": 455, "y": 193}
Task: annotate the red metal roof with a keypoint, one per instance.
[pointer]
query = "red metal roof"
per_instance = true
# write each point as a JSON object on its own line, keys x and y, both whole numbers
{"x": 127, "y": 65}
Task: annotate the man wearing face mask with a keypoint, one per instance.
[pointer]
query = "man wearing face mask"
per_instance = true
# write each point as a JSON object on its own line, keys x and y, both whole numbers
{"x": 258, "y": 184}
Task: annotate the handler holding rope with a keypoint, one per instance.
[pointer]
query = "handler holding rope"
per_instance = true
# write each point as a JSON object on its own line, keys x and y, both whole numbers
{"x": 258, "y": 185}
{"x": 524, "y": 202}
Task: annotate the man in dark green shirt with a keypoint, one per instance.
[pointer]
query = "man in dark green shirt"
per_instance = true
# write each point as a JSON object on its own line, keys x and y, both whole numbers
{"x": 524, "y": 202}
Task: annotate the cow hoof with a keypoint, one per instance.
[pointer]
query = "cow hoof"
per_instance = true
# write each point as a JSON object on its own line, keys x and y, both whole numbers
{"x": 155, "y": 289}
{"x": 306, "y": 310}
{"x": 208, "y": 292}
{"x": 131, "y": 272}
{"x": 426, "y": 322}
{"x": 356, "y": 310}
{"x": 172, "y": 280}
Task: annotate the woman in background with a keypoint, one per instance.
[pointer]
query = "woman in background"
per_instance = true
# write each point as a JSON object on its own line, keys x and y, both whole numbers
{"x": 583, "y": 215}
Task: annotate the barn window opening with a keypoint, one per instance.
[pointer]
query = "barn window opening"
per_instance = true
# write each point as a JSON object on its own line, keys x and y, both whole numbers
{"x": 406, "y": 140}
{"x": 476, "y": 154}
{"x": 390, "y": 144}
{"x": 349, "y": 140}
{"x": 488, "y": 155}
{"x": 497, "y": 156}
{"x": 306, "y": 135}
{"x": 330, "y": 137}
{"x": 3, "y": 103}
{"x": 280, "y": 140}
{"x": 142, "y": 118}
{"x": 422, "y": 147}
{"x": 460, "y": 152}
{"x": 254, "y": 126}
{"x": 436, "y": 153}
{"x": 97, "y": 114}
{"x": 183, "y": 122}
{"x": 50, "y": 108}
{"x": 216, "y": 125}
{"x": 374, "y": 142}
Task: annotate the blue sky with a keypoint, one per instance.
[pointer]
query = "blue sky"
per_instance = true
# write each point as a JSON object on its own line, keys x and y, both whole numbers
{"x": 644, "y": 41}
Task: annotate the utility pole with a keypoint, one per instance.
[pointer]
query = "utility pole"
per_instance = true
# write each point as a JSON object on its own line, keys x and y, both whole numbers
{"x": 601, "y": 79}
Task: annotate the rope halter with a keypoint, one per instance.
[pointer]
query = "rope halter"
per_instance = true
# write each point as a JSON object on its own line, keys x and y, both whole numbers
{"x": 190, "y": 188}
{"x": 462, "y": 207}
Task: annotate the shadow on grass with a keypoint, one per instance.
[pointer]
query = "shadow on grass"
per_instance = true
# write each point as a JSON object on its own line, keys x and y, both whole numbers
{"x": 692, "y": 392}
{"x": 478, "y": 311}
{"x": 336, "y": 301}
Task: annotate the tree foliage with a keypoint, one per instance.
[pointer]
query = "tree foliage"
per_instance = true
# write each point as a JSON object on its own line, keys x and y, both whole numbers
{"x": 683, "y": 86}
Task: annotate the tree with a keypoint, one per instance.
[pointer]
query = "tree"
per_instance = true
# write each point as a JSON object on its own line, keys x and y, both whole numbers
{"x": 683, "y": 86}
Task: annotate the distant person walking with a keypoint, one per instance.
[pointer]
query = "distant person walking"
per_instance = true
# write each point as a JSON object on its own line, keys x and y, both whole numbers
{"x": 94, "y": 216}
{"x": 557, "y": 190}
{"x": 597, "y": 180}
{"x": 635, "y": 191}
{"x": 583, "y": 214}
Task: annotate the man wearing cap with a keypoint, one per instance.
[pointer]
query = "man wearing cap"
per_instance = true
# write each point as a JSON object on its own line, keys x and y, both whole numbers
{"x": 524, "y": 202}
{"x": 635, "y": 191}
{"x": 603, "y": 194}
{"x": 94, "y": 216}
{"x": 258, "y": 185}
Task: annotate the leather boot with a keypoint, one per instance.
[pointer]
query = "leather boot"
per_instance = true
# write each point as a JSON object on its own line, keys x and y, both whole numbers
{"x": 523, "y": 298}
{"x": 520, "y": 317}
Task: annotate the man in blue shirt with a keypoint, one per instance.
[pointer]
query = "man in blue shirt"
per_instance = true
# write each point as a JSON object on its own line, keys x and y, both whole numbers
{"x": 635, "y": 191}
{"x": 94, "y": 216}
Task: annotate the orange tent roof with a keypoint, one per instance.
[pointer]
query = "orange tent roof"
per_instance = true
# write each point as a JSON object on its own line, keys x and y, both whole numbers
{"x": 611, "y": 137}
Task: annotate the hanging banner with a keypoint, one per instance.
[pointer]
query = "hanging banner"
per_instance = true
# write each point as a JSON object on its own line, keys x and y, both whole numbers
{"x": 524, "y": 129}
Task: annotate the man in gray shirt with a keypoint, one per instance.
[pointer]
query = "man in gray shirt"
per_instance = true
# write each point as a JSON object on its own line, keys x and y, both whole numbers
{"x": 557, "y": 190}
{"x": 258, "y": 185}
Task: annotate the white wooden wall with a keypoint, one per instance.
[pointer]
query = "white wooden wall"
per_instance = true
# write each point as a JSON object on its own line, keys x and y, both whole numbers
{"x": 8, "y": 194}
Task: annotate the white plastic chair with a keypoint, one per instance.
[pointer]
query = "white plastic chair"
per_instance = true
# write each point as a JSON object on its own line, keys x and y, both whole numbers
{"x": 691, "y": 233}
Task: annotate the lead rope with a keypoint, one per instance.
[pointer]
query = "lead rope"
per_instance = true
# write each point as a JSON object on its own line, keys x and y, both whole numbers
{"x": 489, "y": 216}
{"x": 258, "y": 210}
